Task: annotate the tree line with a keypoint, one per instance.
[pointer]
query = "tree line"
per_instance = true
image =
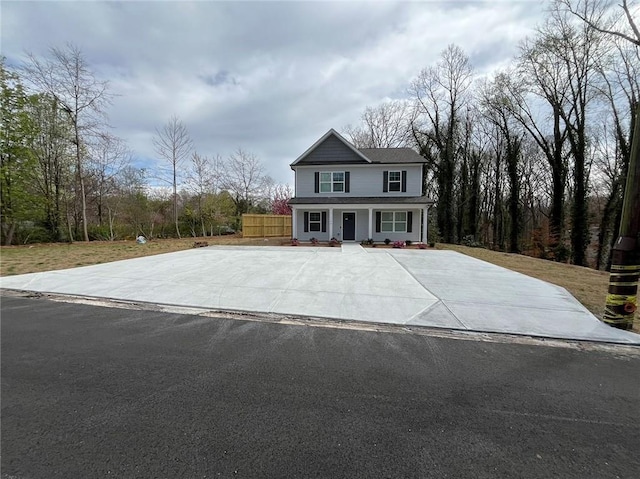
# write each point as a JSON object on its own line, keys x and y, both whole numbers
{"x": 534, "y": 157}
{"x": 65, "y": 177}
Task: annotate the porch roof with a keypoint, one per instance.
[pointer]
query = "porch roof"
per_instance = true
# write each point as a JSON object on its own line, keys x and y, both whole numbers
{"x": 362, "y": 200}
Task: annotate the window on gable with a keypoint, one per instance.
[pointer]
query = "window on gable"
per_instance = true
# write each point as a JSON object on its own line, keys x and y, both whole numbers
{"x": 315, "y": 222}
{"x": 395, "y": 181}
{"x": 393, "y": 222}
{"x": 332, "y": 182}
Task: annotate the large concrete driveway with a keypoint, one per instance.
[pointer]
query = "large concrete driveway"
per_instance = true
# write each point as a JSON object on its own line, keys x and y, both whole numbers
{"x": 409, "y": 287}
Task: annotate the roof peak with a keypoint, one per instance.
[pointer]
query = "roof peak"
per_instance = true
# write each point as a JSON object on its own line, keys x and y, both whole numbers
{"x": 323, "y": 138}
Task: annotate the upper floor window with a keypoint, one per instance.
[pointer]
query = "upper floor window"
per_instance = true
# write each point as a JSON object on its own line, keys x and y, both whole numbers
{"x": 395, "y": 181}
{"x": 332, "y": 182}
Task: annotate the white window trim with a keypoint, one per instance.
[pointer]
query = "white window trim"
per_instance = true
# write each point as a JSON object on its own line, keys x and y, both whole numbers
{"x": 332, "y": 182}
{"x": 398, "y": 181}
{"x": 394, "y": 222}
{"x": 318, "y": 222}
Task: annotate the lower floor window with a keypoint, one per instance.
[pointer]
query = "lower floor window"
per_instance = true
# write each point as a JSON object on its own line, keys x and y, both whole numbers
{"x": 315, "y": 222}
{"x": 393, "y": 222}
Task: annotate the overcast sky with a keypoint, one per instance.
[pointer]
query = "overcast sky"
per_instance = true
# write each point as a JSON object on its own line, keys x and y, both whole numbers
{"x": 270, "y": 77}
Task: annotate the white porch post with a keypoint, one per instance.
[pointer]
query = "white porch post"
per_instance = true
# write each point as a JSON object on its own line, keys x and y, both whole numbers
{"x": 294, "y": 222}
{"x": 330, "y": 223}
{"x": 370, "y": 223}
{"x": 425, "y": 221}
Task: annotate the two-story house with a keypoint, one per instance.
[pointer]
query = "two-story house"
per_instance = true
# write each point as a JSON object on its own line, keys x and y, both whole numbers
{"x": 355, "y": 194}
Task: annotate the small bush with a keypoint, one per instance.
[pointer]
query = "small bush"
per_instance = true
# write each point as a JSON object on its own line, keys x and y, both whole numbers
{"x": 561, "y": 253}
{"x": 408, "y": 242}
{"x": 294, "y": 242}
{"x": 334, "y": 242}
{"x": 470, "y": 241}
{"x": 434, "y": 232}
{"x": 398, "y": 244}
{"x": 31, "y": 234}
{"x": 366, "y": 242}
{"x": 422, "y": 246}
{"x": 314, "y": 241}
{"x": 387, "y": 241}
{"x": 99, "y": 233}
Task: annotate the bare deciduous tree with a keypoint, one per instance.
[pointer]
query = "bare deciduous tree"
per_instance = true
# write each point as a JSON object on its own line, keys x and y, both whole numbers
{"x": 244, "y": 178}
{"x": 108, "y": 156}
{"x": 173, "y": 143}
{"x": 620, "y": 88}
{"x": 539, "y": 76}
{"x": 577, "y": 50}
{"x": 386, "y": 126}
{"x": 202, "y": 181}
{"x": 602, "y": 16}
{"x": 65, "y": 75}
{"x": 497, "y": 105}
{"x": 441, "y": 93}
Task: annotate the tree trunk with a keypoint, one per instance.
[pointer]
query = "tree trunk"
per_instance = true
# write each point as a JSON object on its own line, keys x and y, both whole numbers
{"x": 580, "y": 227}
{"x": 474, "y": 200}
{"x": 175, "y": 200}
{"x": 69, "y": 228}
{"x": 81, "y": 180}
{"x": 8, "y": 239}
{"x": 513, "y": 155}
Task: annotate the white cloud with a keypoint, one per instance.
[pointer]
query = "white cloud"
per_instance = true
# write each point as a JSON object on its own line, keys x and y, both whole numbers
{"x": 270, "y": 77}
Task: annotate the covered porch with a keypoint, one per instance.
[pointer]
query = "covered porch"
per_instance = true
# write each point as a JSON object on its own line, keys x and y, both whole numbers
{"x": 395, "y": 219}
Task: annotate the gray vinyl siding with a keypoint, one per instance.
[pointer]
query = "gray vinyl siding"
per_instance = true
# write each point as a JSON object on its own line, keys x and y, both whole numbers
{"x": 332, "y": 150}
{"x": 364, "y": 180}
{"x": 380, "y": 237}
{"x": 302, "y": 236}
{"x": 413, "y": 236}
{"x": 362, "y": 223}
{"x": 362, "y": 226}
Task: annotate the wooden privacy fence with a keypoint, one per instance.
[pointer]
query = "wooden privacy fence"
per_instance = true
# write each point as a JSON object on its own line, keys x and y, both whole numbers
{"x": 261, "y": 226}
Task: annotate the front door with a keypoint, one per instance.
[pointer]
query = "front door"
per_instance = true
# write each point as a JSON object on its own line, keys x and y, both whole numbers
{"x": 348, "y": 226}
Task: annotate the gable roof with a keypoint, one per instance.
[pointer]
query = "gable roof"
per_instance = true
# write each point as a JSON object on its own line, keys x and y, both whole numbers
{"x": 392, "y": 155}
{"x": 333, "y": 148}
{"x": 355, "y": 156}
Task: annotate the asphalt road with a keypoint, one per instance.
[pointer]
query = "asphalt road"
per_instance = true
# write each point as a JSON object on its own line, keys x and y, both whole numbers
{"x": 95, "y": 392}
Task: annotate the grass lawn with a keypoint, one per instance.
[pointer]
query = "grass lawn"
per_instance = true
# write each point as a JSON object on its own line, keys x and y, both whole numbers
{"x": 587, "y": 285}
{"x": 52, "y": 256}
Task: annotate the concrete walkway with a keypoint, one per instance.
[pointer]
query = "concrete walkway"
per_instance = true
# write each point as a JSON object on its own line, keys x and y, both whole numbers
{"x": 409, "y": 287}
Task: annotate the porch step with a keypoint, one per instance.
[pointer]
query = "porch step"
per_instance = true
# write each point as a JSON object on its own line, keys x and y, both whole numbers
{"x": 352, "y": 248}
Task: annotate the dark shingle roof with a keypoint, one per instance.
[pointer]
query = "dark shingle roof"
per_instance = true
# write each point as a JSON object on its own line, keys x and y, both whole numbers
{"x": 392, "y": 155}
{"x": 355, "y": 200}
{"x": 333, "y": 148}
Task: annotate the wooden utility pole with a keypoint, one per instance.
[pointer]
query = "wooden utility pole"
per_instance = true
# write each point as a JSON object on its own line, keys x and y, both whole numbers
{"x": 622, "y": 300}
